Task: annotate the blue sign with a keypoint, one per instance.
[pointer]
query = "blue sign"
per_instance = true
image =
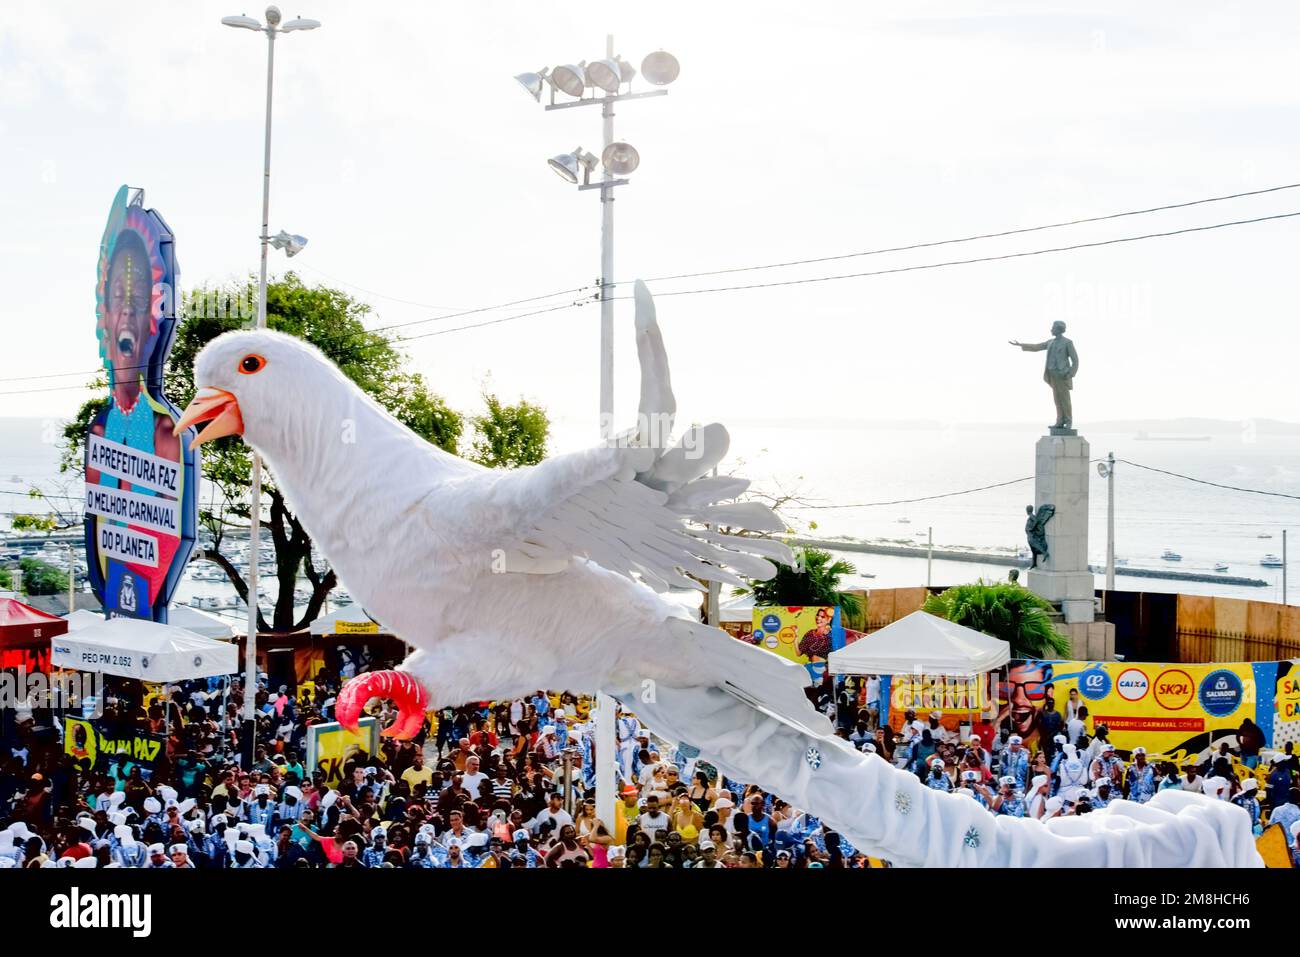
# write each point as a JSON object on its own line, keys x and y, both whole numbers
{"x": 1094, "y": 684}
{"x": 1220, "y": 693}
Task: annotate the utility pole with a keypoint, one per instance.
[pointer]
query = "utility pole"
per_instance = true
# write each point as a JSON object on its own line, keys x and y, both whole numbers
{"x": 272, "y": 28}
{"x": 1110, "y": 521}
{"x": 607, "y": 266}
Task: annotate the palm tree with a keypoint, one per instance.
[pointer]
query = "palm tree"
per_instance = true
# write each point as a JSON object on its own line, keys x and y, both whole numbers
{"x": 1004, "y": 610}
{"x": 814, "y": 579}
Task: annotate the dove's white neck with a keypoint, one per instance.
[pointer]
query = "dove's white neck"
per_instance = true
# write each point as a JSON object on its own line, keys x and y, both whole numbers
{"x": 340, "y": 458}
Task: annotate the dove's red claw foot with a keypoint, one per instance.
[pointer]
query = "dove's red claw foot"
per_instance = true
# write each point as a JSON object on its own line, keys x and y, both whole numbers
{"x": 409, "y": 695}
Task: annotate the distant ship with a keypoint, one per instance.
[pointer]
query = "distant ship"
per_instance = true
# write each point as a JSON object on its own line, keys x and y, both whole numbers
{"x": 1170, "y": 555}
{"x": 1148, "y": 437}
{"x": 1221, "y": 566}
{"x": 1271, "y": 561}
{"x": 1263, "y": 535}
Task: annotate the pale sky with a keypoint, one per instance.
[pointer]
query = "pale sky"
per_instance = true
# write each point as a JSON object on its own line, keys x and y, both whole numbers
{"x": 408, "y": 155}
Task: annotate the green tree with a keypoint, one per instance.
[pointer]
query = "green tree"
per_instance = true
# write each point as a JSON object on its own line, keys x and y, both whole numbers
{"x": 814, "y": 579}
{"x": 6, "y": 579}
{"x": 1004, "y": 610}
{"x": 42, "y": 578}
{"x": 333, "y": 321}
{"x": 509, "y": 436}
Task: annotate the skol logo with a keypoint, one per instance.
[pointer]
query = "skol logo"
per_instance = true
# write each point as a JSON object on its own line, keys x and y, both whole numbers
{"x": 1174, "y": 689}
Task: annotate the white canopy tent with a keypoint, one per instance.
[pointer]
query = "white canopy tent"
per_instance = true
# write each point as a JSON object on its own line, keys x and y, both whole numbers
{"x": 201, "y": 622}
{"x": 182, "y": 616}
{"x": 921, "y": 644}
{"x": 146, "y": 650}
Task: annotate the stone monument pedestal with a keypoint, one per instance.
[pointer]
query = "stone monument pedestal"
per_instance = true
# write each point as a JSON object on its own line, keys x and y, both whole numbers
{"x": 1061, "y": 479}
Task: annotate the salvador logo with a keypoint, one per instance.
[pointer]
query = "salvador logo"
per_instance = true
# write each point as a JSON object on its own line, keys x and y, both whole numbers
{"x": 126, "y": 594}
{"x": 1220, "y": 693}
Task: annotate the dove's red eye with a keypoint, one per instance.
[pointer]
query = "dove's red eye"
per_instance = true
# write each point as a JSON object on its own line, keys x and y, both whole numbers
{"x": 251, "y": 363}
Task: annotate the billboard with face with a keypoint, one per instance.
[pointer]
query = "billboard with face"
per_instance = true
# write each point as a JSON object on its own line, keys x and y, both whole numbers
{"x": 141, "y": 478}
{"x": 805, "y": 634}
{"x": 1173, "y": 710}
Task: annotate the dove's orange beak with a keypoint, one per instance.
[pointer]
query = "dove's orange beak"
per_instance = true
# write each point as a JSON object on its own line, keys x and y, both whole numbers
{"x": 218, "y": 408}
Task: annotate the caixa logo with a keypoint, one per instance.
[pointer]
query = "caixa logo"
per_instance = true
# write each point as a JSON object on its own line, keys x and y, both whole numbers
{"x": 1132, "y": 684}
{"x": 1094, "y": 684}
{"x": 1220, "y": 693}
{"x": 62, "y": 650}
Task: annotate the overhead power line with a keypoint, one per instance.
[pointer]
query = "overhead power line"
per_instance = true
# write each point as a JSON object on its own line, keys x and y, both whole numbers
{"x": 967, "y": 239}
{"x": 923, "y": 498}
{"x": 1030, "y": 478}
{"x": 361, "y": 332}
{"x": 791, "y": 282}
{"x": 979, "y": 259}
{"x": 1200, "y": 481}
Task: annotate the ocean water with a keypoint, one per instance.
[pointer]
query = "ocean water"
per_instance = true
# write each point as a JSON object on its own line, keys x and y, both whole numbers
{"x": 844, "y": 464}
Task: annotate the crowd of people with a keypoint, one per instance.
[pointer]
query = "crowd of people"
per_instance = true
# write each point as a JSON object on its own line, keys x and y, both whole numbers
{"x": 511, "y": 784}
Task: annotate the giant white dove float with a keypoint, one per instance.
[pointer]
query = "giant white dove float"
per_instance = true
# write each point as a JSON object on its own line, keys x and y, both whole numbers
{"x": 557, "y": 576}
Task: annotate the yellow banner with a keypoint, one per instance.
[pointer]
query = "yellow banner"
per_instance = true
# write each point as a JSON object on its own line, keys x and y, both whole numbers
{"x": 342, "y": 627}
{"x": 329, "y": 746}
{"x": 1170, "y": 709}
{"x": 805, "y": 633}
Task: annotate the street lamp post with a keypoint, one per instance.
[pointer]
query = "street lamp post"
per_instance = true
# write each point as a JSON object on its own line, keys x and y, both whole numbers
{"x": 611, "y": 77}
{"x": 1107, "y": 471}
{"x": 272, "y": 28}
{"x": 618, "y": 159}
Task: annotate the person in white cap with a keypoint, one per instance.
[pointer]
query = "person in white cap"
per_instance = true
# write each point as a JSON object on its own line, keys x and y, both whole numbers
{"x": 127, "y": 850}
{"x": 1107, "y": 765}
{"x": 1040, "y": 788}
{"x": 1058, "y": 754}
{"x": 971, "y": 787}
{"x": 1073, "y": 775}
{"x": 1015, "y": 761}
{"x": 1052, "y": 808}
{"x": 1102, "y": 793}
{"x": 1218, "y": 788}
{"x": 938, "y": 732}
{"x": 1008, "y": 800}
{"x": 1278, "y": 783}
{"x": 153, "y": 809}
{"x": 245, "y": 856}
{"x": 1287, "y": 814}
{"x": 1248, "y": 800}
{"x": 158, "y": 857}
{"x": 937, "y": 779}
{"x": 1140, "y": 781}
{"x": 263, "y": 845}
{"x": 289, "y": 810}
{"x": 260, "y": 810}
{"x": 180, "y": 855}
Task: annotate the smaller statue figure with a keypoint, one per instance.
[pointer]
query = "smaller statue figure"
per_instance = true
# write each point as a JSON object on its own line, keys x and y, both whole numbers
{"x": 1036, "y": 531}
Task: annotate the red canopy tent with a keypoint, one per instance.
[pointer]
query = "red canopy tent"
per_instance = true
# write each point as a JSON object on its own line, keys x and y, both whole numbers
{"x": 25, "y": 634}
